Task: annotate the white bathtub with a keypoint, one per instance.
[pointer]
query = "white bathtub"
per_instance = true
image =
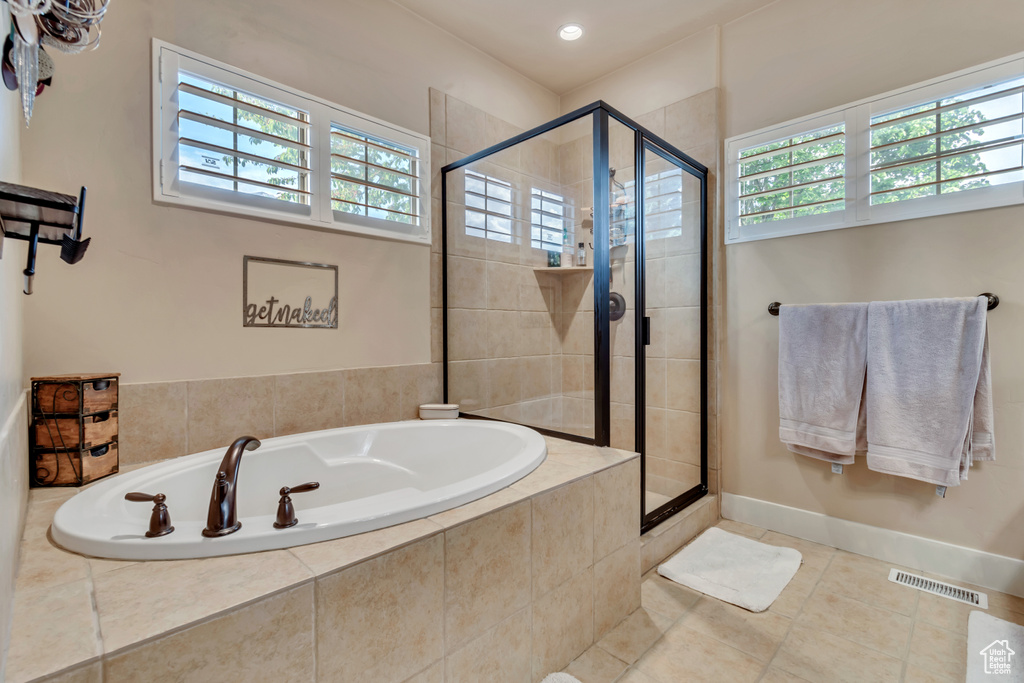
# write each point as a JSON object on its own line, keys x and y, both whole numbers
{"x": 370, "y": 477}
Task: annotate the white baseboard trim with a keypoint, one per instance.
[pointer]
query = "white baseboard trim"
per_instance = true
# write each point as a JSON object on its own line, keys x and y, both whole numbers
{"x": 1004, "y": 574}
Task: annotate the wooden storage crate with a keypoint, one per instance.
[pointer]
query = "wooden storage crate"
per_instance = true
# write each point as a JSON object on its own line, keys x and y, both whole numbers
{"x": 74, "y": 429}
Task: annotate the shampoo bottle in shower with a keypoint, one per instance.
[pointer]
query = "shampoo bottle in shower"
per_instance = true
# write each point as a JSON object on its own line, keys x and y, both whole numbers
{"x": 581, "y": 254}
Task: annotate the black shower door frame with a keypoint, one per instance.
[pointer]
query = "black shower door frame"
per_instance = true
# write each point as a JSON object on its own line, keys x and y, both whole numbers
{"x": 644, "y": 139}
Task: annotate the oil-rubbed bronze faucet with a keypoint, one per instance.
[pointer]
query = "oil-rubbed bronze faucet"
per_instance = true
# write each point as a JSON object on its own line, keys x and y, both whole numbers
{"x": 222, "y": 518}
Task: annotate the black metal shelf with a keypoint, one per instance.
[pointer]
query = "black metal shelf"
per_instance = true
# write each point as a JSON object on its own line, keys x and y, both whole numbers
{"x": 39, "y": 216}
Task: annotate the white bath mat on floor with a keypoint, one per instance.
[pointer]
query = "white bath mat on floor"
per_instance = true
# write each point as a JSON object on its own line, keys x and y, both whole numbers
{"x": 560, "y": 678}
{"x": 995, "y": 649}
{"x": 733, "y": 568}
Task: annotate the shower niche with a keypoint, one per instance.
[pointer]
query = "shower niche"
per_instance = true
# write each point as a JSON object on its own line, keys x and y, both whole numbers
{"x": 575, "y": 294}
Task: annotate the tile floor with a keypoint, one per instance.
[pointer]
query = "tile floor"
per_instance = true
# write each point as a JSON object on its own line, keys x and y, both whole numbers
{"x": 839, "y": 619}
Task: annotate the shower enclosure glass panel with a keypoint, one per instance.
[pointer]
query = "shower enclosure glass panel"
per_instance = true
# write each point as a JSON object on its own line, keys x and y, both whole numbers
{"x": 520, "y": 332}
{"x": 610, "y": 352}
{"x": 673, "y": 452}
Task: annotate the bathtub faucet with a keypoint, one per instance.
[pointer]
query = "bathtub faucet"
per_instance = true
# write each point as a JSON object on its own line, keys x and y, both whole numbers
{"x": 223, "y": 518}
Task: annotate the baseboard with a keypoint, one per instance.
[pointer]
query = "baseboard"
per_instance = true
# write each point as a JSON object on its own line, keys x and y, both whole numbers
{"x": 1004, "y": 574}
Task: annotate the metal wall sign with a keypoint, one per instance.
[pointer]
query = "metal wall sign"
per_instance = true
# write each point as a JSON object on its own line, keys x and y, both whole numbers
{"x": 278, "y": 293}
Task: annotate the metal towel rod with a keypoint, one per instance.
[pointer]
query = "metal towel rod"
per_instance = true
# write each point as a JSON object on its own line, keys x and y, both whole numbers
{"x": 993, "y": 301}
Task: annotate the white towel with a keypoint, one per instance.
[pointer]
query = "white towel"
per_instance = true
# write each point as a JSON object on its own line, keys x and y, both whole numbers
{"x": 822, "y": 358}
{"x": 926, "y": 391}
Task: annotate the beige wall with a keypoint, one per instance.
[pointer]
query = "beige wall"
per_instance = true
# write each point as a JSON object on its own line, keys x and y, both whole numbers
{"x": 13, "y": 430}
{"x": 842, "y": 52}
{"x": 676, "y": 72}
{"x": 157, "y": 296}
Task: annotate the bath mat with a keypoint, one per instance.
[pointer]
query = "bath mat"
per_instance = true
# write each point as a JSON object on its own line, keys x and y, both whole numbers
{"x": 733, "y": 568}
{"x": 560, "y": 678}
{"x": 995, "y": 649}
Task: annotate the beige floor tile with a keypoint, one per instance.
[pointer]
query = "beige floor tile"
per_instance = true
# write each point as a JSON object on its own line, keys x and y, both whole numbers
{"x": 756, "y": 634}
{"x": 879, "y": 629}
{"x": 636, "y": 676}
{"x": 773, "y": 675}
{"x": 869, "y": 584}
{"x": 658, "y": 594}
{"x": 52, "y": 628}
{"x": 916, "y": 674}
{"x": 616, "y": 588}
{"x": 596, "y": 666}
{"x": 952, "y": 615}
{"x": 400, "y": 594}
{"x": 90, "y": 673}
{"x": 487, "y": 572}
{"x": 563, "y": 624}
{"x": 432, "y": 674}
{"x": 635, "y": 635}
{"x": 814, "y": 554}
{"x": 130, "y": 610}
{"x": 997, "y": 600}
{"x": 795, "y": 594}
{"x": 269, "y": 640}
{"x": 501, "y": 655}
{"x": 740, "y": 528}
{"x": 685, "y": 655}
{"x": 820, "y": 657}
{"x": 563, "y": 534}
{"x": 939, "y": 651}
{"x": 328, "y": 556}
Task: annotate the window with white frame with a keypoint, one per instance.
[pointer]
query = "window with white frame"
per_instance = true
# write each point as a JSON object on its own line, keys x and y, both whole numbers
{"x": 548, "y": 215}
{"x": 488, "y": 207}
{"x": 951, "y": 144}
{"x": 226, "y": 140}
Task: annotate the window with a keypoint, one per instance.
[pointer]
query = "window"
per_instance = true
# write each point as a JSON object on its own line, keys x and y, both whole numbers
{"x": 548, "y": 216}
{"x": 951, "y": 144}
{"x": 488, "y": 207}
{"x": 229, "y": 141}
{"x": 800, "y": 175}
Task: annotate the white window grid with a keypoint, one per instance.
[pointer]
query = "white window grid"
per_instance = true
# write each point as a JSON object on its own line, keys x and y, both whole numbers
{"x": 550, "y": 215}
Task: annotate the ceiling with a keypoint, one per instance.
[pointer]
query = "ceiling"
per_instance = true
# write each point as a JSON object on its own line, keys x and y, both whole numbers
{"x": 523, "y": 33}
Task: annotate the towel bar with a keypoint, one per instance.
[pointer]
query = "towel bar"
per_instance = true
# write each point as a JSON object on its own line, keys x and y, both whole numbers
{"x": 993, "y": 301}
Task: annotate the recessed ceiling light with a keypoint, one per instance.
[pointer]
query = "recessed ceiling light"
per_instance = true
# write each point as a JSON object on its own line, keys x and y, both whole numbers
{"x": 570, "y": 32}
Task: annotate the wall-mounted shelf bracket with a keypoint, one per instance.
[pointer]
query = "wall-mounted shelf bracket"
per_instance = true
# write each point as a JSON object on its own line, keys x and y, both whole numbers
{"x": 42, "y": 217}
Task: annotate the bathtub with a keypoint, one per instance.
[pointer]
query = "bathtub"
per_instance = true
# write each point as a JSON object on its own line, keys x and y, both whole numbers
{"x": 370, "y": 477}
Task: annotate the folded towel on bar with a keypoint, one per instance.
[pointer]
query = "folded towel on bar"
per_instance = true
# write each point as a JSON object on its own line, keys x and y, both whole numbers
{"x": 929, "y": 401}
{"x": 822, "y": 359}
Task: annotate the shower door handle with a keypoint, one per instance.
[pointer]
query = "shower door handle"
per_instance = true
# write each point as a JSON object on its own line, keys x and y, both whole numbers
{"x": 647, "y": 331}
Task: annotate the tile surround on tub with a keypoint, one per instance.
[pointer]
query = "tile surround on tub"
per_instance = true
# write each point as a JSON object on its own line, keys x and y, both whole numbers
{"x": 453, "y": 568}
{"x": 161, "y": 420}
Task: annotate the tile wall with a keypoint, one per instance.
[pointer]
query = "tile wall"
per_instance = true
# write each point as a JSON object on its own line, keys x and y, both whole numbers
{"x": 508, "y": 588}
{"x": 542, "y": 373}
{"x": 160, "y": 420}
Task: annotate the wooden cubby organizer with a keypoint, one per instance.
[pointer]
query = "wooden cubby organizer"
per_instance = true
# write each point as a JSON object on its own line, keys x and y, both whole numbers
{"x": 73, "y": 437}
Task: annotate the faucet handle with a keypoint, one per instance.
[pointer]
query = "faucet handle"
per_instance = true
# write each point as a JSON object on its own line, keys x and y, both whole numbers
{"x": 160, "y": 520}
{"x": 285, "y": 510}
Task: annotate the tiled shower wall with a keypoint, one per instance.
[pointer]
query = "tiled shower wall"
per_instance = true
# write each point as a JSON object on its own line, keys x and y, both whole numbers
{"x": 511, "y": 318}
{"x": 555, "y": 339}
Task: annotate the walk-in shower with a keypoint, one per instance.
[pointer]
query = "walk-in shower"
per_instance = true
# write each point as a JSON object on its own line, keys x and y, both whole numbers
{"x": 613, "y": 352}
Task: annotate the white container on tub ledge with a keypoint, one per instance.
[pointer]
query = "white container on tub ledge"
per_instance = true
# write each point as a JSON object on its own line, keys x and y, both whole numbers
{"x": 439, "y": 411}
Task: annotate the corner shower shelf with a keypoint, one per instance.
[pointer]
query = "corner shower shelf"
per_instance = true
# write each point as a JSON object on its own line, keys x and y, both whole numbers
{"x": 566, "y": 270}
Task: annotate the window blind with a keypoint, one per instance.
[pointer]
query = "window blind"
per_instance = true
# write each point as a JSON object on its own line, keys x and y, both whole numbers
{"x": 488, "y": 207}
{"x": 373, "y": 177}
{"x": 232, "y": 140}
{"x": 800, "y": 175}
{"x": 959, "y": 143}
{"x": 548, "y": 216}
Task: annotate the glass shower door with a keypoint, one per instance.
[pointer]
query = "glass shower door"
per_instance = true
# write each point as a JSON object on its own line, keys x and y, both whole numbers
{"x": 673, "y": 330}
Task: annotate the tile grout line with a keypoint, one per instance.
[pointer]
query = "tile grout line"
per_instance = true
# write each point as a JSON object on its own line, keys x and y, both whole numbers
{"x": 910, "y": 640}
